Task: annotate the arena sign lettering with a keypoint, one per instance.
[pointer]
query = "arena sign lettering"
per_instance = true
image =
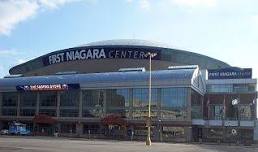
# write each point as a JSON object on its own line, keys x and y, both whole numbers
{"x": 230, "y": 73}
{"x": 47, "y": 87}
{"x": 98, "y": 53}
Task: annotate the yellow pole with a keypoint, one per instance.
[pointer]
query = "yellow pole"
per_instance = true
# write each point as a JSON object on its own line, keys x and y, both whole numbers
{"x": 148, "y": 140}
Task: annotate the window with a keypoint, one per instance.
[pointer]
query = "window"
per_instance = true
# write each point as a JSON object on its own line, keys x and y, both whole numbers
{"x": 118, "y": 101}
{"x": 216, "y": 112}
{"x": 49, "y": 112}
{"x": 27, "y": 112}
{"x": 9, "y": 112}
{"x": 140, "y": 98}
{"x": 215, "y": 133}
{"x": 48, "y": 99}
{"x": 48, "y": 103}
{"x": 28, "y": 99}
{"x": 141, "y": 101}
{"x": 9, "y": 103}
{"x": 244, "y": 88}
{"x": 10, "y": 99}
{"x": 69, "y": 98}
{"x": 196, "y": 103}
{"x": 220, "y": 88}
{"x": 227, "y": 88}
{"x": 173, "y": 133}
{"x": 196, "y": 112}
{"x": 68, "y": 128}
{"x": 174, "y": 103}
{"x": 69, "y": 112}
{"x": 244, "y": 112}
{"x": 69, "y": 103}
{"x": 92, "y": 102}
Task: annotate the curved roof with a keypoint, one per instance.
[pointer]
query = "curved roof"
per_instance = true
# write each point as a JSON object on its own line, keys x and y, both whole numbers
{"x": 127, "y": 42}
{"x": 169, "y": 55}
{"x": 101, "y": 80}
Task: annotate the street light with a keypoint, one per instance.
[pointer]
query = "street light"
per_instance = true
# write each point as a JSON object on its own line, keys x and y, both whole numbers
{"x": 148, "y": 123}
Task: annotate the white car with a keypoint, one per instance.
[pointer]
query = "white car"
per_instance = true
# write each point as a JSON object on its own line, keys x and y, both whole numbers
{"x": 4, "y": 132}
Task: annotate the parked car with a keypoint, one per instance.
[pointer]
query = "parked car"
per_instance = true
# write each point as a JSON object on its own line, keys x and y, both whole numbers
{"x": 17, "y": 128}
{"x": 4, "y": 132}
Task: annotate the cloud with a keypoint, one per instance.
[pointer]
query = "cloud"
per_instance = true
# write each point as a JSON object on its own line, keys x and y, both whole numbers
{"x": 195, "y": 3}
{"x": 145, "y": 4}
{"x": 20, "y": 61}
{"x": 10, "y": 58}
{"x": 1, "y": 69}
{"x": 252, "y": 22}
{"x": 12, "y": 12}
{"x": 129, "y": 1}
{"x": 53, "y": 3}
{"x": 8, "y": 53}
{"x": 255, "y": 19}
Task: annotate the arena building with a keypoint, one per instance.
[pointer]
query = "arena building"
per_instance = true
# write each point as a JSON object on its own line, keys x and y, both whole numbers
{"x": 98, "y": 90}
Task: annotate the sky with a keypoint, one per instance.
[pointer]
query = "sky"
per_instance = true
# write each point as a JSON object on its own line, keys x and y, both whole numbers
{"x": 223, "y": 29}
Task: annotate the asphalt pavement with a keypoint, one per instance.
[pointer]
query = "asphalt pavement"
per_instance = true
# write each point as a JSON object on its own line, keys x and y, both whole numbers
{"x": 52, "y": 144}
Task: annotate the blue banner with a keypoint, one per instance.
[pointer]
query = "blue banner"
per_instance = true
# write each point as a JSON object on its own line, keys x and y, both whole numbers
{"x": 47, "y": 87}
{"x": 230, "y": 73}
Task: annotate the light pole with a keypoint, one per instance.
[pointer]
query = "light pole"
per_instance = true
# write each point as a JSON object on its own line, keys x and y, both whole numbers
{"x": 148, "y": 124}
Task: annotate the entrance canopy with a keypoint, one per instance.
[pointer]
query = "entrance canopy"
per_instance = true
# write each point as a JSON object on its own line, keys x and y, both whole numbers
{"x": 113, "y": 120}
{"x": 44, "y": 119}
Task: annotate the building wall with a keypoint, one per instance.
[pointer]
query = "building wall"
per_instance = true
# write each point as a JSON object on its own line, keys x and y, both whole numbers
{"x": 127, "y": 102}
{"x": 225, "y": 121}
{"x": 256, "y": 131}
{"x": 165, "y": 57}
{"x": 77, "y": 109}
{"x": 95, "y": 66}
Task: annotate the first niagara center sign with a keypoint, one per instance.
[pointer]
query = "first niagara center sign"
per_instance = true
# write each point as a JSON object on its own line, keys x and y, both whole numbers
{"x": 230, "y": 73}
{"x": 98, "y": 53}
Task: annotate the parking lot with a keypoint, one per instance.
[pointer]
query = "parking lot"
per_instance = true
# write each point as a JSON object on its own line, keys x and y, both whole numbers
{"x": 51, "y": 144}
